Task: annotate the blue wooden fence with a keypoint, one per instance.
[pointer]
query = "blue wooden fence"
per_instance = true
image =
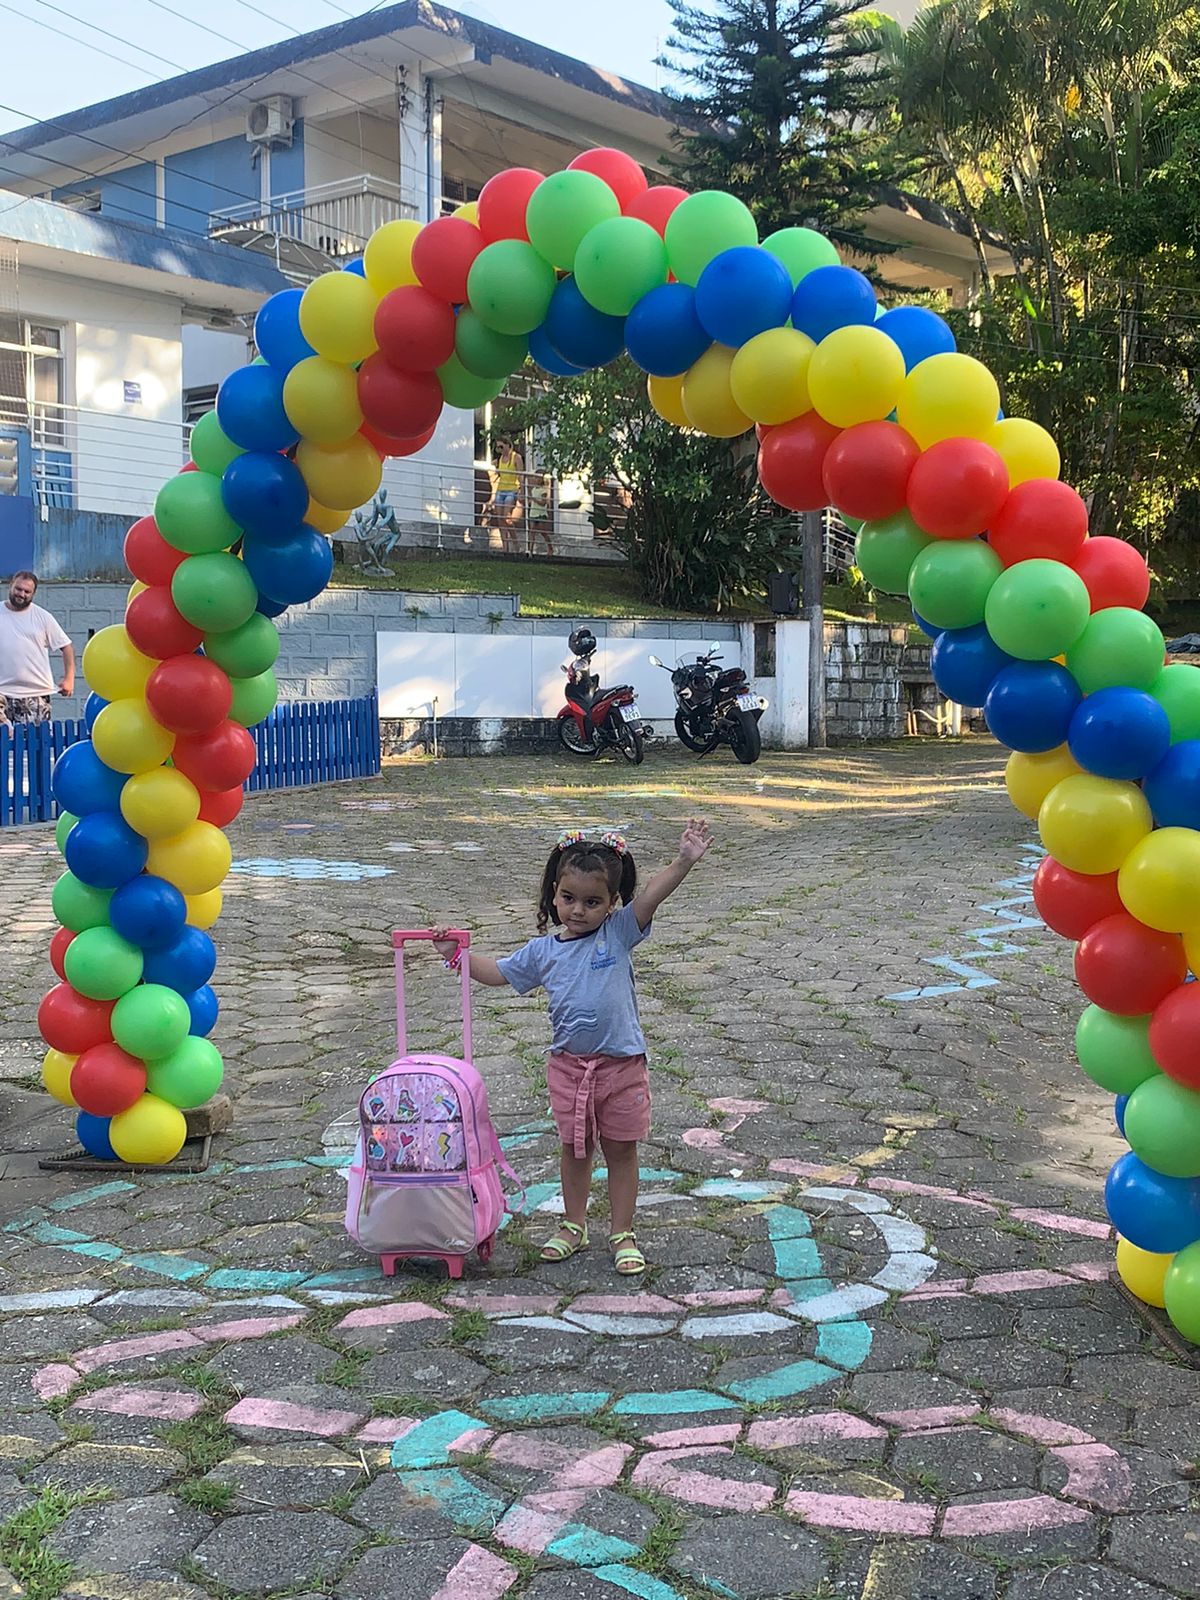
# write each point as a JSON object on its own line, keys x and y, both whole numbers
{"x": 298, "y": 743}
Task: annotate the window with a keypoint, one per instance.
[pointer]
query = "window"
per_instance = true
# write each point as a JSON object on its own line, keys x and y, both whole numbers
{"x": 456, "y": 192}
{"x": 32, "y": 382}
{"x": 81, "y": 200}
{"x": 197, "y": 403}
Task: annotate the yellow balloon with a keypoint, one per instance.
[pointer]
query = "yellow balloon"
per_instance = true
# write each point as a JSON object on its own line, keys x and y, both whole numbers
{"x": 337, "y": 316}
{"x": 387, "y": 260}
{"x": 769, "y": 376}
{"x": 1143, "y": 1272}
{"x": 855, "y": 375}
{"x": 150, "y": 1133}
{"x": 203, "y": 909}
{"x": 321, "y": 400}
{"x": 708, "y": 402}
{"x": 1191, "y": 949}
{"x": 1030, "y": 778}
{"x": 159, "y": 804}
{"x": 468, "y": 212}
{"x": 1091, "y": 824}
{"x": 129, "y": 739}
{"x": 1160, "y": 880}
{"x": 667, "y": 399}
{"x": 341, "y": 476}
{"x": 113, "y": 665}
{"x": 136, "y": 588}
{"x": 948, "y": 396}
{"x": 56, "y": 1076}
{"x": 195, "y": 860}
{"x": 323, "y": 519}
{"x": 1026, "y": 449}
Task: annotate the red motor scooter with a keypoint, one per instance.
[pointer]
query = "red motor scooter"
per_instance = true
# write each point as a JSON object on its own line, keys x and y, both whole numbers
{"x": 596, "y": 719}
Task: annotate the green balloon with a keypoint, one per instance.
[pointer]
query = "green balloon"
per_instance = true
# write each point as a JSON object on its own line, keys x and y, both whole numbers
{"x": 62, "y": 828}
{"x": 1037, "y": 609}
{"x": 247, "y": 650}
{"x": 211, "y": 447}
{"x": 562, "y": 209}
{"x": 1177, "y": 690}
{"x": 950, "y": 581}
{"x": 801, "y": 250}
{"x": 102, "y": 965}
{"x": 1118, "y": 647}
{"x": 885, "y": 550}
{"x": 1162, "y": 1124}
{"x": 151, "y": 1021}
{"x": 618, "y": 262}
{"x": 79, "y": 905}
{"x": 509, "y": 286}
{"x": 191, "y": 515}
{"x": 189, "y": 1076}
{"x": 253, "y": 698}
{"x": 213, "y": 592}
{"x": 1181, "y": 1292}
{"x": 483, "y": 352}
{"x": 463, "y": 389}
{"x": 1114, "y": 1051}
{"x": 703, "y": 225}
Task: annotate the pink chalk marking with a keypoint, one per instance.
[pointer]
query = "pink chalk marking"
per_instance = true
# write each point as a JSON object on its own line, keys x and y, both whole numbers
{"x": 599, "y": 1469}
{"x": 1018, "y": 1282}
{"x": 505, "y": 1305}
{"x": 862, "y": 1516}
{"x": 530, "y": 1528}
{"x": 682, "y": 1438}
{"x": 619, "y": 1305}
{"x": 1096, "y": 1475}
{"x": 529, "y": 1450}
{"x": 127, "y": 1400}
{"x": 290, "y": 1418}
{"x": 923, "y": 1418}
{"x": 704, "y": 1139}
{"x": 815, "y": 1169}
{"x": 939, "y": 1289}
{"x": 396, "y": 1311}
{"x": 52, "y": 1382}
{"x": 117, "y": 1350}
{"x": 1057, "y": 1222}
{"x": 1090, "y": 1271}
{"x": 723, "y": 1297}
{"x": 932, "y": 1191}
{"x": 468, "y": 1443}
{"x": 783, "y": 1432}
{"x": 477, "y": 1575}
{"x": 247, "y": 1328}
{"x": 740, "y": 1108}
{"x": 1041, "y": 1430}
{"x": 1009, "y": 1516}
{"x": 385, "y": 1430}
{"x": 697, "y": 1488}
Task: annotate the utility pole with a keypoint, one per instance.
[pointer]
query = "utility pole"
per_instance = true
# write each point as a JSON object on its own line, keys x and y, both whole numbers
{"x": 812, "y": 609}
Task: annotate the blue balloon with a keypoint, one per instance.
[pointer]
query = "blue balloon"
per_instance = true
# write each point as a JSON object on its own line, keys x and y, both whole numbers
{"x": 548, "y": 358}
{"x": 1030, "y": 705}
{"x": 828, "y": 298}
{"x": 291, "y": 570}
{"x": 663, "y": 334}
{"x": 1173, "y": 787}
{"x": 742, "y": 292}
{"x": 92, "y": 1133}
{"x": 917, "y": 332}
{"x": 186, "y": 965}
{"x": 250, "y": 409}
{"x": 81, "y": 783}
{"x": 965, "y": 662}
{"x": 926, "y": 627}
{"x": 269, "y": 607}
{"x": 582, "y": 335}
{"x": 1119, "y": 733}
{"x": 277, "y": 331}
{"x": 103, "y": 850}
{"x": 203, "y": 1006}
{"x": 1151, "y": 1210}
{"x": 94, "y": 705}
{"x": 357, "y": 266}
{"x": 148, "y": 911}
{"x": 265, "y": 493}
{"x": 1119, "y": 1105}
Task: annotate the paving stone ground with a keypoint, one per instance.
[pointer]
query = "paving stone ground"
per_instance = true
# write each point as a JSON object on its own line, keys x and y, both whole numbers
{"x": 877, "y": 1355}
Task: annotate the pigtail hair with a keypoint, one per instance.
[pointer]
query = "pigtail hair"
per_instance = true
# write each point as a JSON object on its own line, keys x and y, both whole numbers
{"x": 628, "y": 886}
{"x": 545, "y": 905}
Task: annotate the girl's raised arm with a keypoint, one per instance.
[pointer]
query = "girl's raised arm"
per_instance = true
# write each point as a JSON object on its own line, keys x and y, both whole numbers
{"x": 693, "y": 846}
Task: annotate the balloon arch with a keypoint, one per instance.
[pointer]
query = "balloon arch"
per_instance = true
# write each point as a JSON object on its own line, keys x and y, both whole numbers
{"x": 873, "y": 412}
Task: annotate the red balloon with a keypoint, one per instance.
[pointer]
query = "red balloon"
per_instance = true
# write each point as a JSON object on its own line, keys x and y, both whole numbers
{"x": 956, "y": 488}
{"x": 402, "y": 404}
{"x": 1042, "y": 520}
{"x": 58, "y": 949}
{"x": 222, "y": 758}
{"x": 220, "y": 806}
{"x": 442, "y": 255}
{"x": 502, "y": 202}
{"x": 1072, "y": 902}
{"x": 867, "y": 469}
{"x": 153, "y": 622}
{"x": 148, "y": 555}
{"x": 1126, "y": 967}
{"x": 655, "y": 205}
{"x": 620, "y": 172}
{"x": 1115, "y": 574}
{"x": 1175, "y": 1034}
{"x": 387, "y": 446}
{"x": 106, "y": 1080}
{"x": 70, "y": 1022}
{"x": 189, "y": 694}
{"x": 414, "y": 328}
{"x": 790, "y": 462}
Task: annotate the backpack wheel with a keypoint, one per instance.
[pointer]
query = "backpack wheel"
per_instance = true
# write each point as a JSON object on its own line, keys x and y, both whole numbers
{"x": 485, "y": 1249}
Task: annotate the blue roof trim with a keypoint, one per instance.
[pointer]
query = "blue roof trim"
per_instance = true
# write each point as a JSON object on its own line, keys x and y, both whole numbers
{"x": 41, "y": 222}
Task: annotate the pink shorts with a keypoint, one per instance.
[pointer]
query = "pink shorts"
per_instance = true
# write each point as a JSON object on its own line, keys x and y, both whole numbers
{"x": 598, "y": 1096}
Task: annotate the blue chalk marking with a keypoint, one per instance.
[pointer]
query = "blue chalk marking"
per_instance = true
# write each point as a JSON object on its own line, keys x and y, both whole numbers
{"x": 788, "y": 1222}
{"x": 428, "y": 1444}
{"x": 647, "y": 1587}
{"x": 543, "y": 1407}
{"x": 338, "y": 1280}
{"x": 737, "y": 1189}
{"x": 585, "y": 1547}
{"x": 845, "y": 1344}
{"x": 457, "y": 1498}
{"x": 26, "y": 1219}
{"x": 47, "y": 1233}
{"x": 177, "y": 1267}
{"x": 787, "y": 1381}
{"x": 68, "y": 1202}
{"x": 673, "y": 1402}
{"x": 247, "y": 1278}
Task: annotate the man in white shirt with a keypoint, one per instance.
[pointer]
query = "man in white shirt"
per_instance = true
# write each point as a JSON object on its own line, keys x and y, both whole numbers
{"x": 27, "y": 635}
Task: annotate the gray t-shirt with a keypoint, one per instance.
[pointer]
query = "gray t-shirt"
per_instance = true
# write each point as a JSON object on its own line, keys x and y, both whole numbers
{"x": 589, "y": 983}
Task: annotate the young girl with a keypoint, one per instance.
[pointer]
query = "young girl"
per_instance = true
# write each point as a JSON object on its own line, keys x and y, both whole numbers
{"x": 598, "y": 1080}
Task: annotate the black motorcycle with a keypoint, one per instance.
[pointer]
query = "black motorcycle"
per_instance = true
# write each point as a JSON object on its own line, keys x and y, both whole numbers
{"x": 715, "y": 705}
{"x": 593, "y": 718}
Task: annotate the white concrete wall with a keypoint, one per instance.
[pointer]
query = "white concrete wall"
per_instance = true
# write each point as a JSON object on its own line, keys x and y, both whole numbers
{"x": 209, "y": 357}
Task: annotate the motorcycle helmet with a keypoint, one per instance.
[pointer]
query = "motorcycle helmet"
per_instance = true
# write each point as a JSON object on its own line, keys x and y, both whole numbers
{"x": 582, "y": 642}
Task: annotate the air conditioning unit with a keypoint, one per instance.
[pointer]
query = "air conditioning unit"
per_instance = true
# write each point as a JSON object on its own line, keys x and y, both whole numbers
{"x": 270, "y": 121}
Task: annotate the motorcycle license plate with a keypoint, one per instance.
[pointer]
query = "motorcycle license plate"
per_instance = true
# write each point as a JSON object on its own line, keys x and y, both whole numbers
{"x": 747, "y": 702}
{"x": 631, "y": 712}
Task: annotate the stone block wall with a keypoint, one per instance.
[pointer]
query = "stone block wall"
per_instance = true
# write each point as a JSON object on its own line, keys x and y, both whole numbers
{"x": 873, "y": 676}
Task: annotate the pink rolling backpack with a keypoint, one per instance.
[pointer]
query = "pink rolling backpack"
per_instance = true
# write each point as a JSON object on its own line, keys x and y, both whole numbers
{"x": 425, "y": 1177}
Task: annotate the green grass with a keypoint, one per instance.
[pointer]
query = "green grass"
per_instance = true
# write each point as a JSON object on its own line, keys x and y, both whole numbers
{"x": 23, "y": 1542}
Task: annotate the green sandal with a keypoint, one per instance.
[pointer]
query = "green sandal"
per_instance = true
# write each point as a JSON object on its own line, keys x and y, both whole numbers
{"x": 558, "y": 1248}
{"x": 627, "y": 1258}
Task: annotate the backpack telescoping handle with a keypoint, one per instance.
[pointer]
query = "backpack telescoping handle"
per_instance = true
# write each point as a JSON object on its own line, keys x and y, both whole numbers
{"x": 403, "y": 936}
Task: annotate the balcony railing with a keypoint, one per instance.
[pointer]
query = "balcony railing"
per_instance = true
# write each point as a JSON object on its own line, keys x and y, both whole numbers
{"x": 308, "y": 228}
